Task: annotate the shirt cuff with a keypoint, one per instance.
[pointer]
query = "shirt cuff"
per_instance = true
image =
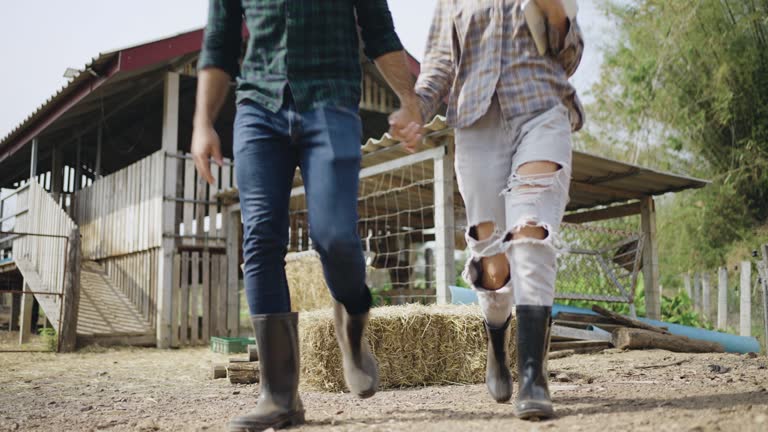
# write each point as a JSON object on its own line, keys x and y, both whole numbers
{"x": 571, "y": 38}
{"x": 381, "y": 45}
{"x": 219, "y": 60}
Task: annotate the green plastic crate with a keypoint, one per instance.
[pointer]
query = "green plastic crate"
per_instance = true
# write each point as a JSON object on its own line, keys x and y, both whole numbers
{"x": 231, "y": 345}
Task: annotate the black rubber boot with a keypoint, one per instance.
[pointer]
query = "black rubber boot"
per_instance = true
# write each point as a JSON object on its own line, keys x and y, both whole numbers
{"x": 533, "y": 400}
{"x": 360, "y": 369}
{"x": 279, "y": 405}
{"x": 498, "y": 379}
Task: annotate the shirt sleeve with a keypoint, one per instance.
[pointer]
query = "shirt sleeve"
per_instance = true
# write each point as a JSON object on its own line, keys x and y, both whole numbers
{"x": 437, "y": 69}
{"x": 569, "y": 54}
{"x": 222, "y": 40}
{"x": 377, "y": 28}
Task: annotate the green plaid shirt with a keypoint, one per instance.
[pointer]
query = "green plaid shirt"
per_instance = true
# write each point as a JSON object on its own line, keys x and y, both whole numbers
{"x": 310, "y": 45}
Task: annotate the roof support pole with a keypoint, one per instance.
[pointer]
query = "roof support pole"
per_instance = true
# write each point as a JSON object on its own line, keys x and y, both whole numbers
{"x": 650, "y": 258}
{"x": 78, "y": 165}
{"x": 57, "y": 173}
{"x": 33, "y": 159}
{"x": 170, "y": 145}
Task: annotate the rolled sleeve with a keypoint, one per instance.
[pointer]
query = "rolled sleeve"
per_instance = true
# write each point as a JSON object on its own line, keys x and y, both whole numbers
{"x": 377, "y": 28}
{"x": 437, "y": 69}
{"x": 569, "y": 54}
{"x": 223, "y": 37}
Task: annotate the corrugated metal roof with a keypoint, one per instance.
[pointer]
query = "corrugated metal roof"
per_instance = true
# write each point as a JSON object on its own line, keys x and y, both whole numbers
{"x": 595, "y": 181}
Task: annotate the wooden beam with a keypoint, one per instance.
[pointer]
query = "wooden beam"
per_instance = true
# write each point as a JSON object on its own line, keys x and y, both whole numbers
{"x": 578, "y": 186}
{"x": 99, "y": 141}
{"x": 650, "y": 259}
{"x": 68, "y": 335}
{"x": 170, "y": 144}
{"x": 632, "y": 338}
{"x": 722, "y": 298}
{"x": 627, "y": 321}
{"x": 604, "y": 213}
{"x": 445, "y": 266}
{"x": 57, "y": 175}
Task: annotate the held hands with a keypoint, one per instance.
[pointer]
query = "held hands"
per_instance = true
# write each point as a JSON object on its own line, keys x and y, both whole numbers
{"x": 206, "y": 145}
{"x": 406, "y": 124}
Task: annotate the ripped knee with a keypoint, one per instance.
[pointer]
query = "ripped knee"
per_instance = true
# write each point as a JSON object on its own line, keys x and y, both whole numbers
{"x": 488, "y": 266}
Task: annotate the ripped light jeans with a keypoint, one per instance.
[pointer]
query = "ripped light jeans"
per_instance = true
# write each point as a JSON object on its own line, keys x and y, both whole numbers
{"x": 488, "y": 156}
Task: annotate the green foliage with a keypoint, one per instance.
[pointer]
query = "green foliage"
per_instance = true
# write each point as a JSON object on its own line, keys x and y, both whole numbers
{"x": 49, "y": 337}
{"x": 685, "y": 89}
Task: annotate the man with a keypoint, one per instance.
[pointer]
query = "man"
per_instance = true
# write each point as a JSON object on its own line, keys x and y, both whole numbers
{"x": 514, "y": 111}
{"x": 298, "y": 91}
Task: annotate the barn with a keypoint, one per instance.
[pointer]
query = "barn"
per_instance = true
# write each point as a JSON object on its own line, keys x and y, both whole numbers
{"x": 107, "y": 230}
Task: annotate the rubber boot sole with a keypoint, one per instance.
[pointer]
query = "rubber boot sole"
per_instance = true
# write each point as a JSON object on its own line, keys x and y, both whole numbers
{"x": 295, "y": 419}
{"x": 535, "y": 412}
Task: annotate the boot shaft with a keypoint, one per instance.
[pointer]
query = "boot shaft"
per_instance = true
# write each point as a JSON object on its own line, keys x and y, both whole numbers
{"x": 277, "y": 340}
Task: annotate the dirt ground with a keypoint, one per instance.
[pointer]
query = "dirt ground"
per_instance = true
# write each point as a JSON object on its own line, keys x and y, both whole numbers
{"x": 152, "y": 390}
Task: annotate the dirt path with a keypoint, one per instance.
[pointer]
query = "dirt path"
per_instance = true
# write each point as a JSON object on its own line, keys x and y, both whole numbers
{"x": 149, "y": 390}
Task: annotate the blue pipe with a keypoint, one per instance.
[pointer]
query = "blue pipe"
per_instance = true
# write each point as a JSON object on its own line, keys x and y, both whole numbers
{"x": 731, "y": 343}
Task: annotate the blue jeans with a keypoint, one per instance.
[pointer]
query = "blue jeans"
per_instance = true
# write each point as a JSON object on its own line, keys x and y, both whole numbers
{"x": 325, "y": 144}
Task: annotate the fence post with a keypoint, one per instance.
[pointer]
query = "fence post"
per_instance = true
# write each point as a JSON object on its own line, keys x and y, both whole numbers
{"x": 745, "y": 306}
{"x": 763, "y": 267}
{"x": 71, "y": 295}
{"x": 444, "y": 226}
{"x": 687, "y": 284}
{"x": 706, "y": 296}
{"x": 697, "y": 292}
{"x": 722, "y": 298}
{"x": 25, "y": 321}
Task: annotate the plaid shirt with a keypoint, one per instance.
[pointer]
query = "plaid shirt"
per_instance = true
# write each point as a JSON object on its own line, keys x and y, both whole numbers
{"x": 310, "y": 45}
{"x": 478, "y": 48}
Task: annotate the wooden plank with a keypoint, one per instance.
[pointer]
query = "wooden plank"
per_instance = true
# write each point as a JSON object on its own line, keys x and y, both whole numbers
{"x": 687, "y": 285}
{"x": 578, "y": 345}
{"x": 243, "y": 372}
{"x": 221, "y": 289}
{"x": 745, "y": 305}
{"x": 604, "y": 213}
{"x": 579, "y": 334}
{"x": 232, "y": 280}
{"x": 630, "y": 322}
{"x": 632, "y": 338}
{"x": 174, "y": 303}
{"x": 650, "y": 259}
{"x": 218, "y": 313}
{"x": 184, "y": 308}
{"x": 213, "y": 189}
{"x": 195, "y": 294}
{"x": 189, "y": 193}
{"x": 206, "y": 262}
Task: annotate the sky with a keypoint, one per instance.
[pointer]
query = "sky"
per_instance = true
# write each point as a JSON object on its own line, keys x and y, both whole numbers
{"x": 42, "y": 38}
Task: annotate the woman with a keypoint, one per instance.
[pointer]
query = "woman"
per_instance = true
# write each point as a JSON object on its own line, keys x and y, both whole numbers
{"x": 513, "y": 110}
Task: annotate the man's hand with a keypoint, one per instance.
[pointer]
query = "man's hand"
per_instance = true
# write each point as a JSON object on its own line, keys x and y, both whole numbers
{"x": 406, "y": 125}
{"x": 206, "y": 144}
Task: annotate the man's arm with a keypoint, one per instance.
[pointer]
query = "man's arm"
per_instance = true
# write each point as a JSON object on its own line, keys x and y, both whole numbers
{"x": 383, "y": 46}
{"x": 565, "y": 39}
{"x": 217, "y": 66}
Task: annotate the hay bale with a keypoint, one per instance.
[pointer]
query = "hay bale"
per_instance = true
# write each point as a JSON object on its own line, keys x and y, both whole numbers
{"x": 307, "y": 282}
{"x": 415, "y": 345}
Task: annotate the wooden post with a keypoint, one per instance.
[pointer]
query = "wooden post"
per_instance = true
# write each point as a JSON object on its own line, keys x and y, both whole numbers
{"x": 57, "y": 175}
{"x": 25, "y": 322}
{"x": 650, "y": 258}
{"x": 722, "y": 298}
{"x": 99, "y": 138}
{"x": 33, "y": 159}
{"x": 68, "y": 336}
{"x": 445, "y": 271}
{"x": 170, "y": 143}
{"x": 78, "y": 165}
{"x": 763, "y": 266}
{"x": 705, "y": 295}
{"x": 232, "y": 280}
{"x": 745, "y": 305}
{"x": 687, "y": 285}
